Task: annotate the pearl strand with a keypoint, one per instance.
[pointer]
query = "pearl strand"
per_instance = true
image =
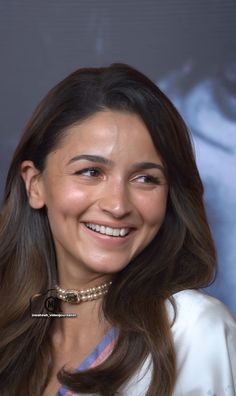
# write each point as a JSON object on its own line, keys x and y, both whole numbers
{"x": 77, "y": 296}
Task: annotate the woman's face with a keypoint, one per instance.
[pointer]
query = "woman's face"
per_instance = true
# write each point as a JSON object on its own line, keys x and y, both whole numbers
{"x": 105, "y": 193}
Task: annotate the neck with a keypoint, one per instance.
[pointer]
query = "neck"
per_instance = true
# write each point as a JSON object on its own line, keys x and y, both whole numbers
{"x": 72, "y": 277}
{"x": 88, "y": 324}
{"x": 88, "y": 310}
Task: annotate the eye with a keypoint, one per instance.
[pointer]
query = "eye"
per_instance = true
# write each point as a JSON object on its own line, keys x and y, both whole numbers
{"x": 89, "y": 172}
{"x": 148, "y": 179}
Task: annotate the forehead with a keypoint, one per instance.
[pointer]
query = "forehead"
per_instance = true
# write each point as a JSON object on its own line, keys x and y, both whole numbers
{"x": 110, "y": 134}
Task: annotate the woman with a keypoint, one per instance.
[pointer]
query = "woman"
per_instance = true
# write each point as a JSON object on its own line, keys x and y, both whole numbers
{"x": 103, "y": 206}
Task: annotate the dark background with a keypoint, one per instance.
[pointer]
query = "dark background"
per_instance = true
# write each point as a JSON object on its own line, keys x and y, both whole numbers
{"x": 188, "y": 47}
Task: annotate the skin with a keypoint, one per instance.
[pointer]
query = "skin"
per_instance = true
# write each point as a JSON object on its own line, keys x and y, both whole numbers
{"x": 115, "y": 190}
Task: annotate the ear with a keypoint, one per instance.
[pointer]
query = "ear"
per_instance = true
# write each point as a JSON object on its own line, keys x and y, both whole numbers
{"x": 33, "y": 183}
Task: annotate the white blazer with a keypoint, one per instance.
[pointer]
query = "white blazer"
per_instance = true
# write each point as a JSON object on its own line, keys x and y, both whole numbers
{"x": 204, "y": 335}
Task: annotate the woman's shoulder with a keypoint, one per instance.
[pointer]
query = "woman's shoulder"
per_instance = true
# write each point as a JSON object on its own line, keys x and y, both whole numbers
{"x": 196, "y": 308}
{"x": 200, "y": 318}
{"x": 204, "y": 334}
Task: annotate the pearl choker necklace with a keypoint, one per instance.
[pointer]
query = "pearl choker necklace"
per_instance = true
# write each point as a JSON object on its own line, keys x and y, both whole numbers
{"x": 77, "y": 296}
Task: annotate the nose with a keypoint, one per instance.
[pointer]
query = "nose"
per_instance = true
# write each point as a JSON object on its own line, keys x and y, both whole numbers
{"x": 115, "y": 199}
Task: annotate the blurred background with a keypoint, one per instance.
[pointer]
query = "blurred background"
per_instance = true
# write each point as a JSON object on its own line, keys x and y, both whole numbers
{"x": 187, "y": 47}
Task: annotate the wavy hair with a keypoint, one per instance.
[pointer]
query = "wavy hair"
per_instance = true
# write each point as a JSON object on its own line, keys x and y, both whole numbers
{"x": 181, "y": 256}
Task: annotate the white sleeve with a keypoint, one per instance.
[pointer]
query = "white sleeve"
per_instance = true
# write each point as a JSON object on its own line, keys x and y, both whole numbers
{"x": 205, "y": 340}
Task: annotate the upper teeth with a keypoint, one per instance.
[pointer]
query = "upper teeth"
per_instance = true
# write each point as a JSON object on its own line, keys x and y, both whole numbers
{"x": 108, "y": 230}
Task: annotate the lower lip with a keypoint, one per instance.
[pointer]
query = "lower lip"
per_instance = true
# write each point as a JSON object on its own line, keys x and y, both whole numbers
{"x": 107, "y": 238}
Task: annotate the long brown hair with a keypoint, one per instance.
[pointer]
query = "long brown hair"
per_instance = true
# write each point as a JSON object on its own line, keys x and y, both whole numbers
{"x": 181, "y": 256}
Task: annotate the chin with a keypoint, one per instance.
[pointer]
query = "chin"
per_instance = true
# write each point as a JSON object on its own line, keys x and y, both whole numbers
{"x": 109, "y": 267}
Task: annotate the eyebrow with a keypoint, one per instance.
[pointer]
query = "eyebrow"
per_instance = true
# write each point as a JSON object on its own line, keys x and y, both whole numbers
{"x": 105, "y": 161}
{"x": 148, "y": 165}
{"x": 92, "y": 158}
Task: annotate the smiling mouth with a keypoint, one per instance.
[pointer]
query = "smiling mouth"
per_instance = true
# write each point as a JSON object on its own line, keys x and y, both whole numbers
{"x": 109, "y": 231}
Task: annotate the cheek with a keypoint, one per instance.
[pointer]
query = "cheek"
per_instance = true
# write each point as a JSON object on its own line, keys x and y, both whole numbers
{"x": 153, "y": 210}
{"x": 68, "y": 202}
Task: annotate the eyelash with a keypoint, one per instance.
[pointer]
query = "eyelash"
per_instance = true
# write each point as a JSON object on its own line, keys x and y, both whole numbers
{"x": 82, "y": 171}
{"x": 150, "y": 179}
{"x": 97, "y": 172}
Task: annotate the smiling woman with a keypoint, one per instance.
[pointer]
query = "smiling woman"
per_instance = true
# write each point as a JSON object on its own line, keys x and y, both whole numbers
{"x": 103, "y": 212}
